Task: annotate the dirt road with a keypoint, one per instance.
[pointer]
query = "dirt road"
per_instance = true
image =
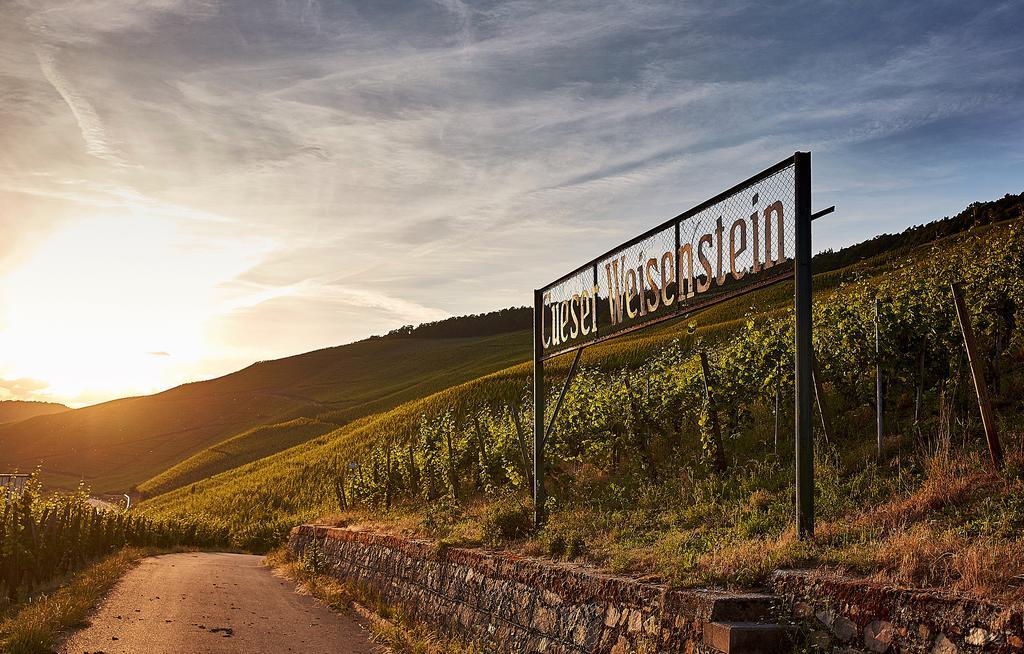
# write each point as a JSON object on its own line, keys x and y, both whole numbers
{"x": 201, "y": 603}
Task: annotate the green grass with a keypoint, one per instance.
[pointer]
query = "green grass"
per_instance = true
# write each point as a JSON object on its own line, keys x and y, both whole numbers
{"x": 36, "y": 627}
{"x": 248, "y": 446}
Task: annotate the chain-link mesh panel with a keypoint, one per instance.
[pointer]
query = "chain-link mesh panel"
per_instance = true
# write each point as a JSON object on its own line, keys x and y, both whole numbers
{"x": 744, "y": 240}
{"x": 637, "y": 283}
{"x": 735, "y": 243}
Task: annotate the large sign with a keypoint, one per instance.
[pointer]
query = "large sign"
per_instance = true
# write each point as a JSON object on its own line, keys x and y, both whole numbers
{"x": 739, "y": 240}
{"x": 754, "y": 234}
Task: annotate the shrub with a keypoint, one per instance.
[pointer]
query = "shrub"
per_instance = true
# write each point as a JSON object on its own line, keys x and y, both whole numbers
{"x": 507, "y": 519}
{"x": 442, "y": 514}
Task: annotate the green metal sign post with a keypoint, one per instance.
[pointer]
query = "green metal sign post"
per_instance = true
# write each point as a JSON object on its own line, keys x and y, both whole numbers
{"x": 755, "y": 234}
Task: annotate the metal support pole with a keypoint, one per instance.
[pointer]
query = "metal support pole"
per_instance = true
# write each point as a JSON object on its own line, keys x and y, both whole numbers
{"x": 776, "y": 441}
{"x": 539, "y": 496}
{"x": 804, "y": 354}
{"x": 778, "y": 396}
{"x": 995, "y": 448}
{"x": 823, "y": 212}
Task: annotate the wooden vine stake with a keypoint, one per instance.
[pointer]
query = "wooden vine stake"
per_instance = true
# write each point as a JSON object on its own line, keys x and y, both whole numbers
{"x": 339, "y": 485}
{"x": 777, "y": 420}
{"x": 816, "y": 378}
{"x": 919, "y": 393}
{"x": 879, "y": 389}
{"x": 716, "y": 430}
{"x": 987, "y": 420}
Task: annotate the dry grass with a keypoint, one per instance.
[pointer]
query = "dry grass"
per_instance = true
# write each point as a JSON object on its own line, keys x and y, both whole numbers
{"x": 936, "y": 519}
{"x": 409, "y": 638}
{"x": 960, "y": 530}
{"x": 387, "y": 625}
{"x": 953, "y": 532}
{"x": 981, "y": 566}
{"x": 36, "y": 628}
{"x": 952, "y": 524}
{"x": 948, "y": 481}
{"x": 750, "y": 562}
{"x": 450, "y": 524}
{"x": 398, "y": 523}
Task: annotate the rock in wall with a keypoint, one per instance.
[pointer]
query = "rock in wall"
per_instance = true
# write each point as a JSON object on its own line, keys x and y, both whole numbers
{"x": 862, "y": 616}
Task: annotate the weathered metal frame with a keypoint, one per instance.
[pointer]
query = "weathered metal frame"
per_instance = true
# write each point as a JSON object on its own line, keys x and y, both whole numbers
{"x": 767, "y": 172}
{"x": 803, "y": 293}
{"x": 539, "y": 495}
{"x": 689, "y": 310}
{"x": 672, "y": 223}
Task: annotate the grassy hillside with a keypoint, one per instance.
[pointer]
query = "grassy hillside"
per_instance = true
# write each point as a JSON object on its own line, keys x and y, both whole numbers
{"x": 271, "y": 493}
{"x": 250, "y": 445}
{"x": 265, "y": 440}
{"x": 261, "y": 500}
{"x": 636, "y": 481}
{"x": 117, "y": 445}
{"x": 212, "y": 460}
{"x": 172, "y": 439}
{"x": 14, "y": 410}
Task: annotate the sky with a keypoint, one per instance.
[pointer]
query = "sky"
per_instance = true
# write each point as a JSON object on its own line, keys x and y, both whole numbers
{"x": 188, "y": 186}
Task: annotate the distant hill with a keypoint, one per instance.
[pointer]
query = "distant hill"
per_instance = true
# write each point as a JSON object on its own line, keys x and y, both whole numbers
{"x": 477, "y": 324}
{"x": 976, "y": 214}
{"x": 14, "y": 410}
{"x": 116, "y": 445}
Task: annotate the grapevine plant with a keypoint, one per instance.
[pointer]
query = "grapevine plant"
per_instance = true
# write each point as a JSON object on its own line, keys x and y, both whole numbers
{"x": 638, "y": 411}
{"x": 42, "y": 538}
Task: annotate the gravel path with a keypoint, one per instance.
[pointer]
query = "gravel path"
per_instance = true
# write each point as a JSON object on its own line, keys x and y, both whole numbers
{"x": 213, "y": 603}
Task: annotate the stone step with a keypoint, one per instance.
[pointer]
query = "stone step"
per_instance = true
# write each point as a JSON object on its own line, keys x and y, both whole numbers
{"x": 747, "y": 638}
{"x": 744, "y": 607}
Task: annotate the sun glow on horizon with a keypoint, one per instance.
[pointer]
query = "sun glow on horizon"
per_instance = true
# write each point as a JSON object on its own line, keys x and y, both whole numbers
{"x": 109, "y": 307}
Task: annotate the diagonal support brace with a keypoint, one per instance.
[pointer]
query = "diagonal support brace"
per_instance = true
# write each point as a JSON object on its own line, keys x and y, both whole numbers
{"x": 561, "y": 395}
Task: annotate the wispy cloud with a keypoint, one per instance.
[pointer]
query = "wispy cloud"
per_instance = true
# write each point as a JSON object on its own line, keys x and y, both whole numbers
{"x": 377, "y": 165}
{"x": 88, "y": 122}
{"x": 23, "y": 388}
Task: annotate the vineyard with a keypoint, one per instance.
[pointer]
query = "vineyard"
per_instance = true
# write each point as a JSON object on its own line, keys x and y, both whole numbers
{"x": 639, "y": 480}
{"x": 45, "y": 539}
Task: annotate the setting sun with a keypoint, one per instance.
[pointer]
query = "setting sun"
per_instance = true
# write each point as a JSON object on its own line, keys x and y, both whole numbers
{"x": 111, "y": 306}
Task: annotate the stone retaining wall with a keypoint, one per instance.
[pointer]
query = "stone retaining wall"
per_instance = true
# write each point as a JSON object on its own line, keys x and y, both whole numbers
{"x": 861, "y": 616}
{"x": 524, "y": 605}
{"x": 520, "y": 604}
